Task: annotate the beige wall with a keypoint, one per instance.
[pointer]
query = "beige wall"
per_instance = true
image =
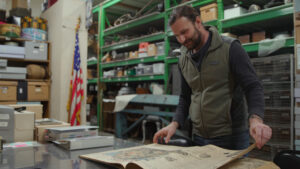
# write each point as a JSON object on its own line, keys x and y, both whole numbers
{"x": 62, "y": 19}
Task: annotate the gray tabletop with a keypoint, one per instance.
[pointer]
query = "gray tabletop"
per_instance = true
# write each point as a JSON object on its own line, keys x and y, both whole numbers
{"x": 50, "y": 156}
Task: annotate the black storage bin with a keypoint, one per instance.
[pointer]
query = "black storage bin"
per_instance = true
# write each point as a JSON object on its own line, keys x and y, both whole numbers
{"x": 22, "y": 91}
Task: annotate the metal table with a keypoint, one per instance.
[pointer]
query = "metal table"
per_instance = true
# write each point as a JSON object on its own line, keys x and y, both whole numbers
{"x": 171, "y": 101}
{"x": 50, "y": 156}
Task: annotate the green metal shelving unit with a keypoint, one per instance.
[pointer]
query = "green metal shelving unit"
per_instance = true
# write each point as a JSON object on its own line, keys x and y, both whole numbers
{"x": 92, "y": 63}
{"x": 133, "y": 61}
{"x": 133, "y": 78}
{"x": 97, "y": 10}
{"x": 262, "y": 15}
{"x": 92, "y": 81}
{"x": 134, "y": 42}
{"x": 253, "y": 47}
{"x": 221, "y": 24}
{"x": 140, "y": 21}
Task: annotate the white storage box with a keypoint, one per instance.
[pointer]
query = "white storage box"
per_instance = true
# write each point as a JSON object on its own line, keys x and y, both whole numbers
{"x": 15, "y": 56}
{"x": 16, "y": 50}
{"x": 139, "y": 70}
{"x": 36, "y": 50}
{"x": 234, "y": 12}
{"x": 158, "y": 68}
{"x": 110, "y": 73}
{"x": 160, "y": 48}
{"x": 13, "y": 73}
{"x": 148, "y": 69}
{"x": 24, "y": 126}
{"x": 7, "y": 123}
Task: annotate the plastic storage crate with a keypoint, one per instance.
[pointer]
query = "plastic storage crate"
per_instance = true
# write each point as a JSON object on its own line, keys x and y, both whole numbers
{"x": 278, "y": 116}
{"x": 277, "y": 86}
{"x": 148, "y": 69}
{"x": 280, "y": 136}
{"x": 275, "y": 77}
{"x": 272, "y": 64}
{"x": 277, "y": 99}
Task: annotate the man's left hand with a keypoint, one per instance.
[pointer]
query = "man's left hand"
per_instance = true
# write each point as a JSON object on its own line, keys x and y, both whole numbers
{"x": 259, "y": 131}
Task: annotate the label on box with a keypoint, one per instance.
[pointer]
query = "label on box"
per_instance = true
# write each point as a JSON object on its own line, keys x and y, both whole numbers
{"x": 4, "y": 116}
{"x": 38, "y": 89}
{"x": 4, "y": 90}
{"x": 3, "y": 124}
{"x": 41, "y": 48}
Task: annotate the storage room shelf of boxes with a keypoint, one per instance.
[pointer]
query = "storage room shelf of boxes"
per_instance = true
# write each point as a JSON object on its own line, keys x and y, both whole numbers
{"x": 135, "y": 52}
{"x": 24, "y": 69}
{"x": 141, "y": 52}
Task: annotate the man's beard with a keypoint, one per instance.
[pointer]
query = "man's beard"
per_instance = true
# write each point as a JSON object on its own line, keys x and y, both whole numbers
{"x": 193, "y": 42}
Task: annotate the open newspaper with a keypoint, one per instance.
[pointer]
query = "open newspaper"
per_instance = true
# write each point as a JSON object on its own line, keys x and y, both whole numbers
{"x": 156, "y": 156}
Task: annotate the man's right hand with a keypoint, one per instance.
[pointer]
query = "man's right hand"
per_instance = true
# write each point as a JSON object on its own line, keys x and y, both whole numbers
{"x": 167, "y": 132}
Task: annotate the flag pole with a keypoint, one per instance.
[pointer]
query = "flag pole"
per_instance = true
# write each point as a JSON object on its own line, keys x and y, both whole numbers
{"x": 70, "y": 88}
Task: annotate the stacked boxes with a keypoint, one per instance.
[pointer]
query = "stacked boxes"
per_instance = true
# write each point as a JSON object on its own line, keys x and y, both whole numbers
{"x": 40, "y": 129}
{"x": 24, "y": 126}
{"x": 209, "y": 12}
{"x": 34, "y": 28}
{"x": 37, "y": 23}
{"x": 57, "y": 133}
{"x": 31, "y": 91}
{"x": 8, "y": 51}
{"x": 36, "y": 108}
{"x": 297, "y": 83}
{"x": 16, "y": 126}
{"x": 297, "y": 112}
{"x": 7, "y": 123}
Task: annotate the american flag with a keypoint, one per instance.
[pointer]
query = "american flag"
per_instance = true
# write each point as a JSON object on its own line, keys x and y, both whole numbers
{"x": 76, "y": 88}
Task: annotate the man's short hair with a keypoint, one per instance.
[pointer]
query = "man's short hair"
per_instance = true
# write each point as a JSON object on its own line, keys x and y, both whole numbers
{"x": 183, "y": 11}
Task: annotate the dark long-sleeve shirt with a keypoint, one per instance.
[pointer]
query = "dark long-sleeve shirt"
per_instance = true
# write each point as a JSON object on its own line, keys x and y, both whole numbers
{"x": 244, "y": 76}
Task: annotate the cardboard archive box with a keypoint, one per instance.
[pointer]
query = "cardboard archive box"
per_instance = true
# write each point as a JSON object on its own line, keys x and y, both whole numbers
{"x": 258, "y": 36}
{"x": 244, "y": 39}
{"x": 24, "y": 126}
{"x": 8, "y": 90}
{"x": 36, "y": 108}
{"x": 38, "y": 91}
{"x": 19, "y": 4}
{"x": 209, "y": 12}
{"x": 133, "y": 54}
{"x": 152, "y": 50}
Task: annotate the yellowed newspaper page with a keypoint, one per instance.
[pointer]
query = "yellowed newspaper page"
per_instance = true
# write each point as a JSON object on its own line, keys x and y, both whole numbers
{"x": 250, "y": 163}
{"x": 156, "y": 156}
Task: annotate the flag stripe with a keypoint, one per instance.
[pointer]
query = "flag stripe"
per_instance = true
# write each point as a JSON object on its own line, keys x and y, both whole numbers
{"x": 76, "y": 87}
